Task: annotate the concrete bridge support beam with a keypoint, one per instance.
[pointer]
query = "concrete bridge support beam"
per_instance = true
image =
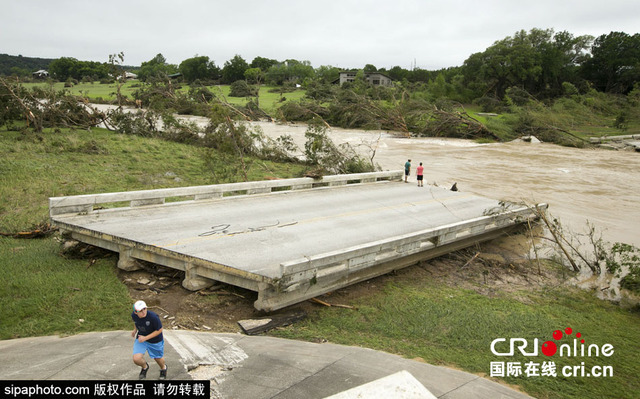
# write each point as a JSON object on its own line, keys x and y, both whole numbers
{"x": 192, "y": 281}
{"x": 126, "y": 262}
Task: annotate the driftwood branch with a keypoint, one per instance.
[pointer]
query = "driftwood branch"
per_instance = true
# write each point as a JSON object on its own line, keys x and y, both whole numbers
{"x": 558, "y": 241}
{"x": 470, "y": 260}
{"x": 327, "y": 304}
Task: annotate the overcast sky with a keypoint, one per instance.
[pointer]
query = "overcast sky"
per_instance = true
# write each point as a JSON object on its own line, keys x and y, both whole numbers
{"x": 430, "y": 34}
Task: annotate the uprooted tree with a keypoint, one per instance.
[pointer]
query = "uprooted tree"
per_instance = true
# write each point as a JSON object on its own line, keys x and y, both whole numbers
{"x": 44, "y": 107}
{"x": 349, "y": 108}
{"x": 588, "y": 250}
{"x": 321, "y": 152}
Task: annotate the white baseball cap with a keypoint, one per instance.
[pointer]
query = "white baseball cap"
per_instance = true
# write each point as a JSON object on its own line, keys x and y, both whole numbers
{"x": 138, "y": 306}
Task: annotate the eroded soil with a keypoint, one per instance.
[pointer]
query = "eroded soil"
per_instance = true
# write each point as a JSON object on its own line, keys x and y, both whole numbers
{"x": 498, "y": 266}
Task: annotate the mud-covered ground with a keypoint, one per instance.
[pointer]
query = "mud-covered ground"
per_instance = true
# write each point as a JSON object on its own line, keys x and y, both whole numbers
{"x": 500, "y": 265}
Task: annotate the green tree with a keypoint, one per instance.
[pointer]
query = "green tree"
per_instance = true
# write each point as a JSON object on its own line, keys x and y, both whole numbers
{"x": 398, "y": 73}
{"x": 614, "y": 65}
{"x": 155, "y": 67}
{"x": 370, "y": 68}
{"x": 254, "y": 75}
{"x": 419, "y": 75}
{"x": 240, "y": 88}
{"x": 199, "y": 68}
{"x": 62, "y": 68}
{"x": 300, "y": 70}
{"x": 290, "y": 71}
{"x": 327, "y": 74}
{"x": 21, "y": 72}
{"x": 439, "y": 88}
{"x": 233, "y": 69}
{"x": 263, "y": 63}
{"x": 276, "y": 74}
{"x": 537, "y": 61}
{"x": 70, "y": 68}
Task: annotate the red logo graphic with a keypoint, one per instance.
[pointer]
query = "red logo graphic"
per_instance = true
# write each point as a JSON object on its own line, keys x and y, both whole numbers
{"x": 549, "y": 348}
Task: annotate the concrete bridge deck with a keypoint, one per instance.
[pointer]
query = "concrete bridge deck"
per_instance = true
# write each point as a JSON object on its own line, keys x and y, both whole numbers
{"x": 288, "y": 240}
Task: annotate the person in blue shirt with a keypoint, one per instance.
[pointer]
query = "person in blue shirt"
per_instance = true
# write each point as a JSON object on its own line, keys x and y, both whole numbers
{"x": 147, "y": 334}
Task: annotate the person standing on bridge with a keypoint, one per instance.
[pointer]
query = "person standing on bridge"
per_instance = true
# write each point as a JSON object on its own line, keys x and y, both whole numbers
{"x": 419, "y": 174}
{"x": 147, "y": 334}
{"x": 407, "y": 170}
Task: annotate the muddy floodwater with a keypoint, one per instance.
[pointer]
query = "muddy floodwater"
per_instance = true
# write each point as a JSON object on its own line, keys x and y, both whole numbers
{"x": 583, "y": 187}
{"x": 595, "y": 185}
{"x": 598, "y": 186}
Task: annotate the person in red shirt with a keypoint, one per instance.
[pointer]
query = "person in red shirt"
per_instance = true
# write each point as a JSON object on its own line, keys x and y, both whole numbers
{"x": 419, "y": 173}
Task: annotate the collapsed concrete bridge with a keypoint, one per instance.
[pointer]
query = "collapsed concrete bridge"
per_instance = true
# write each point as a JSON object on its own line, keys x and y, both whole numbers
{"x": 289, "y": 240}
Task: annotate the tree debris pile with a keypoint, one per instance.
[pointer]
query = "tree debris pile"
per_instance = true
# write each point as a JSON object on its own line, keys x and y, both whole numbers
{"x": 43, "y": 107}
{"x": 349, "y": 109}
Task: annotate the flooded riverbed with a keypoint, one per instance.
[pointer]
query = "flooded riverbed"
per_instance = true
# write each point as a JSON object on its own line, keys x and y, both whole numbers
{"x": 580, "y": 185}
{"x": 598, "y": 186}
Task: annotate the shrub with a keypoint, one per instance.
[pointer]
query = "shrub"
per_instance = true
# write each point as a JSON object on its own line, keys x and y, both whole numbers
{"x": 241, "y": 88}
{"x": 569, "y": 89}
{"x": 488, "y": 104}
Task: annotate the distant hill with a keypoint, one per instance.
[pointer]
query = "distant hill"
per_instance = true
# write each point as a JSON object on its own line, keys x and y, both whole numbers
{"x": 10, "y": 64}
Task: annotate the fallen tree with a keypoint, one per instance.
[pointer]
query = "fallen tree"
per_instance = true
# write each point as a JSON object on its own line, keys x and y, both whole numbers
{"x": 349, "y": 110}
{"x": 44, "y": 107}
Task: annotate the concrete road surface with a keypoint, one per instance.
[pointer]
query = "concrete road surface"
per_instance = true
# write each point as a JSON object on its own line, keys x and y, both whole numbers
{"x": 239, "y": 366}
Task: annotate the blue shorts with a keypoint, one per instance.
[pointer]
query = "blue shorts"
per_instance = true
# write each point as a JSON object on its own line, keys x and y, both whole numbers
{"x": 156, "y": 350}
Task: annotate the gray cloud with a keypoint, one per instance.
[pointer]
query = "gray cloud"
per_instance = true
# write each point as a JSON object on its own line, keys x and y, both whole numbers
{"x": 345, "y": 33}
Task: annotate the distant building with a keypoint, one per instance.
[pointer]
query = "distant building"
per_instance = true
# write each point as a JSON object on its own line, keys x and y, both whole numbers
{"x": 127, "y": 76}
{"x": 40, "y": 74}
{"x": 373, "y": 78}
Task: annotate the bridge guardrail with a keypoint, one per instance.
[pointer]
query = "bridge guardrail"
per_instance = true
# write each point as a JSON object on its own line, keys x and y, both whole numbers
{"x": 87, "y": 203}
{"x": 336, "y": 264}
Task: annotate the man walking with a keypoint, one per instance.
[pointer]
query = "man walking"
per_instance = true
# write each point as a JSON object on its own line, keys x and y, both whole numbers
{"x": 407, "y": 170}
{"x": 147, "y": 333}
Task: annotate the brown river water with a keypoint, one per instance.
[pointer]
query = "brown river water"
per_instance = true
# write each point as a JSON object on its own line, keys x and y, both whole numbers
{"x": 595, "y": 185}
{"x": 582, "y": 187}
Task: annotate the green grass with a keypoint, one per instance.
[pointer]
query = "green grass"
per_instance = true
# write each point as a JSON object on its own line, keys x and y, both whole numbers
{"x": 42, "y": 292}
{"x": 46, "y": 294}
{"x": 269, "y": 102}
{"x": 451, "y": 326}
{"x": 36, "y": 167}
{"x": 94, "y": 90}
{"x": 584, "y": 116}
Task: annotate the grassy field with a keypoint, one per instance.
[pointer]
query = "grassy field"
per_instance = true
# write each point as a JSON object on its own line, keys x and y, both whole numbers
{"x": 46, "y": 294}
{"x": 45, "y": 290}
{"x": 93, "y": 90}
{"x": 96, "y": 91}
{"x": 414, "y": 314}
{"x": 417, "y": 315}
{"x": 36, "y": 167}
{"x": 582, "y": 117}
{"x": 567, "y": 117}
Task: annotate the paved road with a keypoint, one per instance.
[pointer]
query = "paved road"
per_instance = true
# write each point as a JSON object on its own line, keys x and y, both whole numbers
{"x": 239, "y": 366}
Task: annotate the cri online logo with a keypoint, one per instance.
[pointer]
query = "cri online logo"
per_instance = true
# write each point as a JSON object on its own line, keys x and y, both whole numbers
{"x": 550, "y": 348}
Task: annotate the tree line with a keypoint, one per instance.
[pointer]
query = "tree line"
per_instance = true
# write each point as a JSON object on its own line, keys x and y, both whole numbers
{"x": 541, "y": 62}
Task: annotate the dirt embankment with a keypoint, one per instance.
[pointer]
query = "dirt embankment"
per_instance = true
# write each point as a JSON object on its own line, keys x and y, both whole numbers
{"x": 493, "y": 267}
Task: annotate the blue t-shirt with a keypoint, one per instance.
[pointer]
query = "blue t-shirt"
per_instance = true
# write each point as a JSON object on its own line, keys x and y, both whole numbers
{"x": 147, "y": 325}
